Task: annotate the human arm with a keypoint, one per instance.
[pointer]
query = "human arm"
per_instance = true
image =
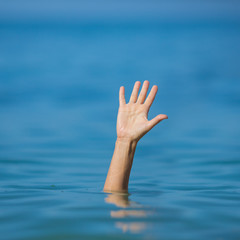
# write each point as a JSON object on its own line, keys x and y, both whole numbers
{"x": 132, "y": 125}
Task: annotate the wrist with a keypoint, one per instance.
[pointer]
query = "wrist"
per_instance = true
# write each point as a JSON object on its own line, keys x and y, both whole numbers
{"x": 127, "y": 141}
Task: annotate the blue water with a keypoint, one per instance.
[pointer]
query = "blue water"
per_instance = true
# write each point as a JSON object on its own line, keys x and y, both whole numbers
{"x": 58, "y": 105}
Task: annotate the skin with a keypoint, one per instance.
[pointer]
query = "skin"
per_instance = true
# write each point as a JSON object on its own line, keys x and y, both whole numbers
{"x": 132, "y": 125}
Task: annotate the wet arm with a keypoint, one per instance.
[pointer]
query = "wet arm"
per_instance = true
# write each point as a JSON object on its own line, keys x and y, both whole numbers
{"x": 132, "y": 125}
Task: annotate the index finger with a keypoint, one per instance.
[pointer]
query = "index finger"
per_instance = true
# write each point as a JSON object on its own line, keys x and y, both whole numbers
{"x": 151, "y": 96}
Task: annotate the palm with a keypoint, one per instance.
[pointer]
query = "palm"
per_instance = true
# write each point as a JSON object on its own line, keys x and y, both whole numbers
{"x": 132, "y": 122}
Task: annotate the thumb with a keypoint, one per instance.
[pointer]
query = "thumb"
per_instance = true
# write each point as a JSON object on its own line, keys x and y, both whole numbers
{"x": 156, "y": 120}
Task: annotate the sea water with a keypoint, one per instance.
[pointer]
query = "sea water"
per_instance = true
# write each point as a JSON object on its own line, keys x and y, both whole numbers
{"x": 58, "y": 105}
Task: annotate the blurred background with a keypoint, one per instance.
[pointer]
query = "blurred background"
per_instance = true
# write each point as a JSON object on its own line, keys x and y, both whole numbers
{"x": 61, "y": 66}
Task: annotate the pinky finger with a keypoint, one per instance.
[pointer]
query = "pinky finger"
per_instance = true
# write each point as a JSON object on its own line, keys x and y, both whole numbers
{"x": 122, "y": 100}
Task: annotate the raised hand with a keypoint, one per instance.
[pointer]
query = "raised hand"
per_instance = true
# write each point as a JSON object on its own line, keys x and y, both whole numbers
{"x": 132, "y": 124}
{"x": 132, "y": 120}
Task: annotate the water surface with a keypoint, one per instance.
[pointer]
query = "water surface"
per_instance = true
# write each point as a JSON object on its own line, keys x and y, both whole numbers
{"x": 58, "y": 104}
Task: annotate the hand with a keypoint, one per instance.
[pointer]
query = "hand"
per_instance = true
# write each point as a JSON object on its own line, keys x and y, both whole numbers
{"x": 132, "y": 121}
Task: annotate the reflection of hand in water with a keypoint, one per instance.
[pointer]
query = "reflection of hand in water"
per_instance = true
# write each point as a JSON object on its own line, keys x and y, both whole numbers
{"x": 133, "y": 227}
{"x": 118, "y": 199}
{"x": 126, "y": 213}
{"x": 122, "y": 200}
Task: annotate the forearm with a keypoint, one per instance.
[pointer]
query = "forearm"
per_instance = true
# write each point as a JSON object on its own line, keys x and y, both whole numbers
{"x": 120, "y": 167}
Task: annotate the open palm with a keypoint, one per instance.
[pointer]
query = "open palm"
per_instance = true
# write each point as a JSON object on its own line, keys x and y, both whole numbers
{"x": 132, "y": 121}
